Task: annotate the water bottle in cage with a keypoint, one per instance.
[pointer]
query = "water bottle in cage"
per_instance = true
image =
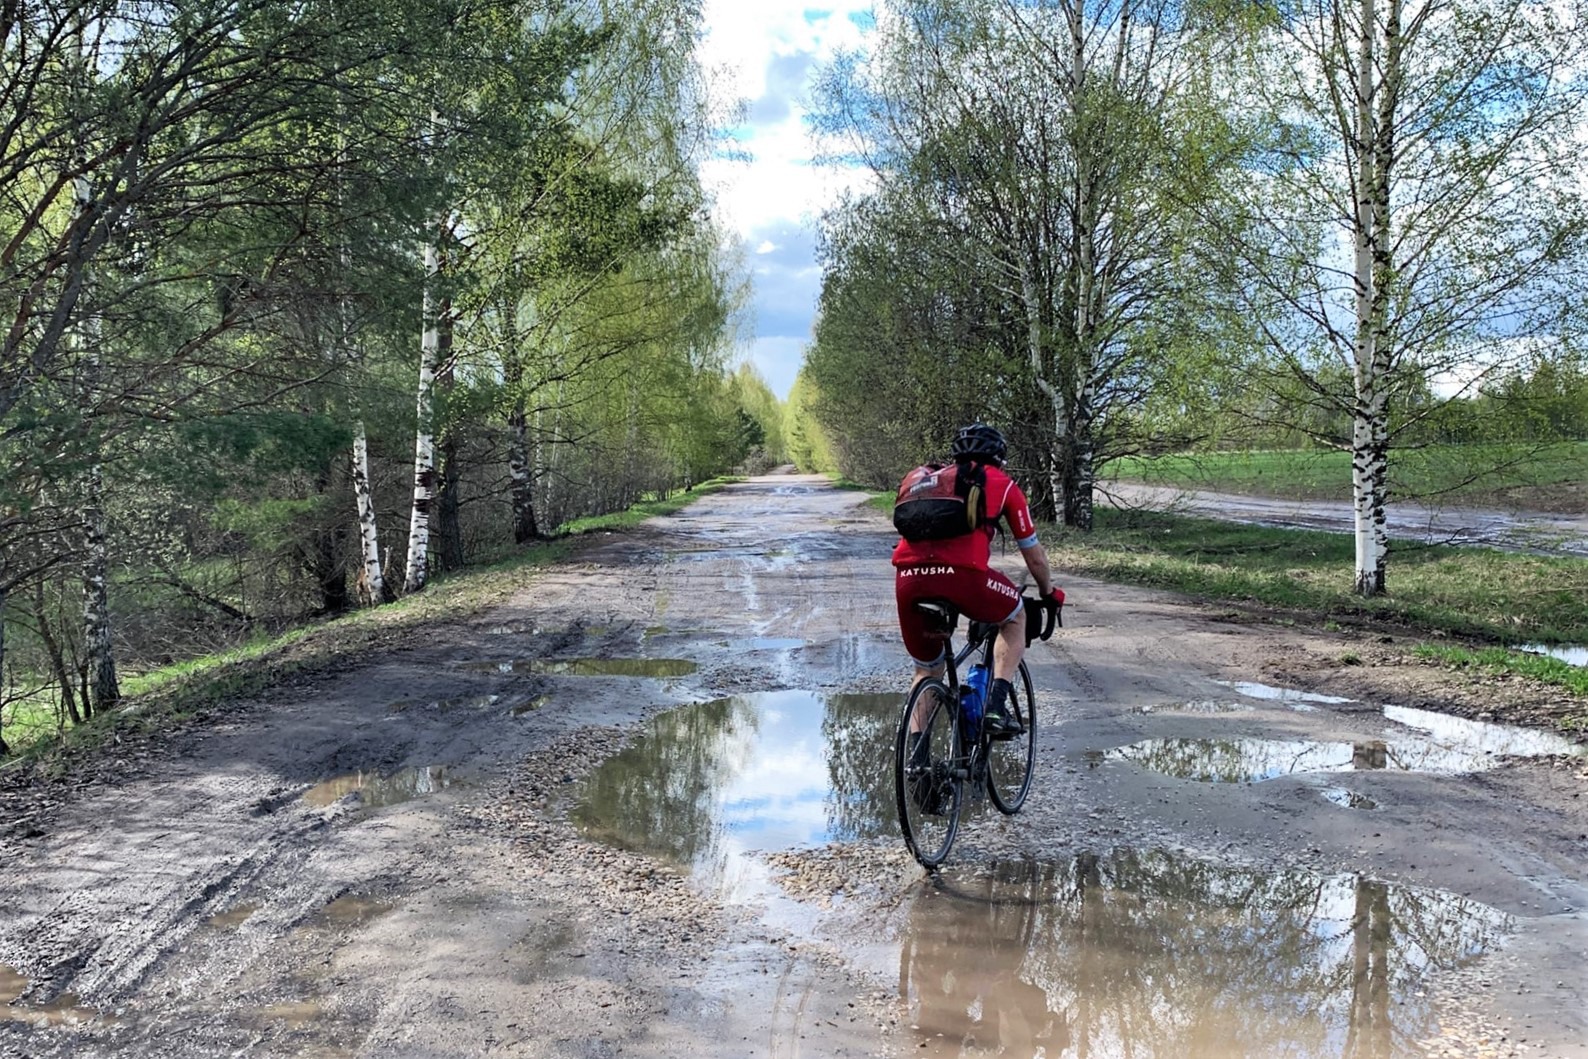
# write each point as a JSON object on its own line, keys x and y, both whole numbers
{"x": 972, "y": 697}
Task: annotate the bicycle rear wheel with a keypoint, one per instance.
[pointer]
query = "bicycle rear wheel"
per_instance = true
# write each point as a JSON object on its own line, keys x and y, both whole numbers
{"x": 1010, "y": 762}
{"x": 927, "y": 785}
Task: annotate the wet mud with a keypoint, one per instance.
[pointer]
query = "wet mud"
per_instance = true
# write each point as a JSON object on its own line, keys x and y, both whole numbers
{"x": 647, "y": 809}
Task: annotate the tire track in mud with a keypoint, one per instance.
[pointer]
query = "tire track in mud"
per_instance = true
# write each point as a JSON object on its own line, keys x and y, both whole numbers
{"x": 209, "y": 913}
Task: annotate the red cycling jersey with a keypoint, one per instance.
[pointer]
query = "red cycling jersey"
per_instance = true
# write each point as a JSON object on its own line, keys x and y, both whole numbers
{"x": 1004, "y": 500}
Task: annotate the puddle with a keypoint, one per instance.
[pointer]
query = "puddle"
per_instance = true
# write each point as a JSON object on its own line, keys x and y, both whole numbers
{"x": 1571, "y": 655}
{"x": 1457, "y": 736}
{"x": 350, "y": 910}
{"x": 1237, "y": 760}
{"x": 589, "y": 667}
{"x": 1305, "y": 701}
{"x": 1200, "y": 706}
{"x": 512, "y": 629}
{"x": 1445, "y": 745}
{"x": 707, "y": 784}
{"x": 375, "y": 791}
{"x": 234, "y": 916}
{"x": 762, "y": 643}
{"x": 1347, "y": 799}
{"x": 530, "y": 706}
{"x": 64, "y": 1010}
{"x": 1158, "y": 955}
{"x": 292, "y": 1014}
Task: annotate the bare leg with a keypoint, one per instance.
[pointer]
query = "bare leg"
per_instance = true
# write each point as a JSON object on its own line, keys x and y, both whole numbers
{"x": 1010, "y": 647}
{"x": 923, "y": 705}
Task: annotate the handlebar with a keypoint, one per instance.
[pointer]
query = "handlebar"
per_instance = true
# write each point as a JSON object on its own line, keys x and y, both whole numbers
{"x": 1041, "y": 628}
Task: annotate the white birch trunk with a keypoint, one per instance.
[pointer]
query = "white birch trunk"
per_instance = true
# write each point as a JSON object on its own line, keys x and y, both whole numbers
{"x": 98, "y": 648}
{"x": 5, "y": 748}
{"x": 1061, "y": 426}
{"x": 523, "y": 481}
{"x": 424, "y": 438}
{"x": 371, "y": 582}
{"x": 1369, "y": 428}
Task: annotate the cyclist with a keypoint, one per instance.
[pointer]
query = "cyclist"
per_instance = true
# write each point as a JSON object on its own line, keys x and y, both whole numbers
{"x": 956, "y": 569}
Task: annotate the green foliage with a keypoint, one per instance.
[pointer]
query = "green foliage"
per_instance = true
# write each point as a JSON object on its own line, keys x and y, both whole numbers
{"x": 266, "y": 523}
{"x": 1537, "y": 667}
{"x": 757, "y": 402}
{"x": 804, "y": 439}
{"x": 1032, "y": 255}
{"x": 244, "y": 299}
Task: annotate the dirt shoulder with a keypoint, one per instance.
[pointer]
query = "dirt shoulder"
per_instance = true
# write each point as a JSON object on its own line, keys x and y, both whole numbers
{"x": 381, "y": 861}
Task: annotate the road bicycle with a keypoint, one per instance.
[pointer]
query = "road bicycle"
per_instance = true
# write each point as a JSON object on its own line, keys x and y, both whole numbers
{"x": 955, "y": 755}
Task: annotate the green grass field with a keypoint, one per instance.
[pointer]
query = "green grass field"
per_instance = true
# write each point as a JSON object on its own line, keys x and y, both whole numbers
{"x": 1548, "y": 478}
{"x": 1487, "y": 595}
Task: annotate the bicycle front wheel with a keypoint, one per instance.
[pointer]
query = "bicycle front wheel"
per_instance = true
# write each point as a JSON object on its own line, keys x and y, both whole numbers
{"x": 927, "y": 776}
{"x": 1010, "y": 762}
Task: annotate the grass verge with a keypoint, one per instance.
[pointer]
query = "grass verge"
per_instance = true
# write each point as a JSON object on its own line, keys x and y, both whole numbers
{"x": 1476, "y": 593}
{"x": 1502, "y": 660}
{"x": 186, "y": 689}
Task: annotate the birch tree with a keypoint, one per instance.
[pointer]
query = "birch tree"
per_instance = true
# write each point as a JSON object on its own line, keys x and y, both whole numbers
{"x": 1420, "y": 214}
{"x": 101, "y": 689}
{"x": 520, "y": 59}
{"x": 1056, "y": 144}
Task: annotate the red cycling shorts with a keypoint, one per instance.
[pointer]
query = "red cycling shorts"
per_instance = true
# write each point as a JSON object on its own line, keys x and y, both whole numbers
{"x": 980, "y": 595}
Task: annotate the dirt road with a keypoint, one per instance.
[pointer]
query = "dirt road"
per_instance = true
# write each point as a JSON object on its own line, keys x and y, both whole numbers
{"x": 503, "y": 841}
{"x": 1407, "y": 520}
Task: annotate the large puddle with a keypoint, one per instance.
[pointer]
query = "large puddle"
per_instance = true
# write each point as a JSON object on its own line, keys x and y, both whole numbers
{"x": 1139, "y": 954}
{"x": 1437, "y": 743}
{"x": 707, "y": 784}
{"x": 1155, "y": 954}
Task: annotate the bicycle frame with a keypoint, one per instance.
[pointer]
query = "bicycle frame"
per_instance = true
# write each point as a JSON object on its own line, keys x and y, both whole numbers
{"x": 973, "y": 752}
{"x": 919, "y": 781}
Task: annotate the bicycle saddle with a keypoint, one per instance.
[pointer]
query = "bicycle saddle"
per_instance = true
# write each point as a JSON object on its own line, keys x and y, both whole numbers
{"x": 940, "y": 613}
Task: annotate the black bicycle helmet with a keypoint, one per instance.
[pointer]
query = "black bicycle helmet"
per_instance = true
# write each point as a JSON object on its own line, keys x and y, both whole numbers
{"x": 982, "y": 442}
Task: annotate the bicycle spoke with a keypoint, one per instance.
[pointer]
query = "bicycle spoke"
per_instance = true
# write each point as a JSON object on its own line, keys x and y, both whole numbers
{"x": 1010, "y": 762}
{"x": 927, "y": 791}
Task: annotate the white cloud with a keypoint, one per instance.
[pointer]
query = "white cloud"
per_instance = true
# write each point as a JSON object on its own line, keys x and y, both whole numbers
{"x": 769, "y": 193}
{"x": 752, "y": 50}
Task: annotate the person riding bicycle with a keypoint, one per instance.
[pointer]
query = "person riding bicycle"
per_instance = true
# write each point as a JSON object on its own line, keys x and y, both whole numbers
{"x": 955, "y": 568}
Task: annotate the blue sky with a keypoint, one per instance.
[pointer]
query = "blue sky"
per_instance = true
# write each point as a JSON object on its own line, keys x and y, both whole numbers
{"x": 765, "y": 53}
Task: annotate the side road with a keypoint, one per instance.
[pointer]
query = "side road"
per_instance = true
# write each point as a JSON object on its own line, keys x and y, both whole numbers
{"x": 1422, "y": 523}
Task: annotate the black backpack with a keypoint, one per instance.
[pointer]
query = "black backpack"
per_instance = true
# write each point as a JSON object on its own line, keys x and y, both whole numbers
{"x": 938, "y": 502}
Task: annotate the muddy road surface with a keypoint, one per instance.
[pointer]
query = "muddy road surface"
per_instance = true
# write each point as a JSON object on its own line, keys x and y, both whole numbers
{"x": 643, "y": 809}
